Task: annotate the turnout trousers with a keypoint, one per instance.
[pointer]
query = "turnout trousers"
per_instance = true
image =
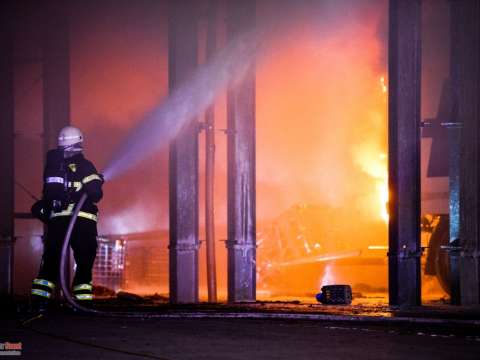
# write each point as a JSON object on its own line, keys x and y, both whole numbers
{"x": 84, "y": 245}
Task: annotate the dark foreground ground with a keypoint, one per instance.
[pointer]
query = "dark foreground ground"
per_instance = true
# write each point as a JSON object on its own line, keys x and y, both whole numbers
{"x": 314, "y": 334}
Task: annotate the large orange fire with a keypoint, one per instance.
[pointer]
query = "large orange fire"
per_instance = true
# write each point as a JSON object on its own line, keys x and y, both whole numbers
{"x": 321, "y": 158}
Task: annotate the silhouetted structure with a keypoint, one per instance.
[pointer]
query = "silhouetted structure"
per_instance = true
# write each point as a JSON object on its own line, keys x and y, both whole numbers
{"x": 241, "y": 242}
{"x": 7, "y": 121}
{"x": 465, "y": 69}
{"x": 404, "y": 152}
{"x": 184, "y": 242}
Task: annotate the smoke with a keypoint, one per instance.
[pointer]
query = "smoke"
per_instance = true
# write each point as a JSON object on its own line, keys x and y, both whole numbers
{"x": 321, "y": 110}
{"x": 321, "y": 122}
{"x": 321, "y": 146}
{"x": 321, "y": 125}
{"x": 194, "y": 96}
{"x": 137, "y": 217}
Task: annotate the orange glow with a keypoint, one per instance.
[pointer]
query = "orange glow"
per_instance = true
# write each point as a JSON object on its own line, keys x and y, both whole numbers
{"x": 328, "y": 278}
{"x": 322, "y": 182}
{"x": 376, "y": 167}
{"x": 374, "y": 161}
{"x": 384, "y": 86}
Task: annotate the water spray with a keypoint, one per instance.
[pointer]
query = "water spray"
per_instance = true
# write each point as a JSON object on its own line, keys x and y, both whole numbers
{"x": 164, "y": 123}
{"x": 191, "y": 98}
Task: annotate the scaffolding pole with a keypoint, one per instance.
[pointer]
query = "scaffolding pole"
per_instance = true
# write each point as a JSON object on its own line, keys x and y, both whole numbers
{"x": 210, "y": 164}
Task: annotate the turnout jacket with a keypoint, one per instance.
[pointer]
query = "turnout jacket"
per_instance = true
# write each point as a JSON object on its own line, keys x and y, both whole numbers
{"x": 65, "y": 181}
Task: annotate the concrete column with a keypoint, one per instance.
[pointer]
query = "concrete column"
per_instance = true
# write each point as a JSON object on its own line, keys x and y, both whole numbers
{"x": 465, "y": 68}
{"x": 56, "y": 78}
{"x": 7, "y": 122}
{"x": 241, "y": 242}
{"x": 184, "y": 243}
{"x": 56, "y": 71}
{"x": 404, "y": 152}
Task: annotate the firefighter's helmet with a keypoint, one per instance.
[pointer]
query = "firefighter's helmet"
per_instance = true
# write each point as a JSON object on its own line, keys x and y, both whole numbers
{"x": 69, "y": 136}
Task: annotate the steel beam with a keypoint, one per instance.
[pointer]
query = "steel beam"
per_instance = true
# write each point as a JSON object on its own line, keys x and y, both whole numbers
{"x": 241, "y": 243}
{"x": 56, "y": 71}
{"x": 454, "y": 143}
{"x": 184, "y": 243}
{"x": 7, "y": 122}
{"x": 404, "y": 152}
{"x": 211, "y": 45}
{"x": 465, "y": 68}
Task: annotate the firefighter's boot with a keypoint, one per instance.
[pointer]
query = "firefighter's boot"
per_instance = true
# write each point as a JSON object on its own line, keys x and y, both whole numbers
{"x": 83, "y": 294}
{"x": 42, "y": 292}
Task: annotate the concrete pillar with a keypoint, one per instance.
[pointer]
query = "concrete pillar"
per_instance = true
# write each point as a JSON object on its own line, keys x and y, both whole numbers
{"x": 184, "y": 243}
{"x": 56, "y": 71}
{"x": 7, "y": 122}
{"x": 404, "y": 152}
{"x": 465, "y": 68}
{"x": 241, "y": 242}
{"x": 56, "y": 78}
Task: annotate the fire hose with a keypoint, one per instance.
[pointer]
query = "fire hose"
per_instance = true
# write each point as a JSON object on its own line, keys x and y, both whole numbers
{"x": 65, "y": 286}
{"x": 63, "y": 261}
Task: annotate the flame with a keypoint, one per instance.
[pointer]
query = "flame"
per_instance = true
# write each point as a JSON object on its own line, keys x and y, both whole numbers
{"x": 376, "y": 167}
{"x": 330, "y": 93}
{"x": 372, "y": 159}
{"x": 383, "y": 84}
{"x": 327, "y": 278}
{"x": 383, "y": 187}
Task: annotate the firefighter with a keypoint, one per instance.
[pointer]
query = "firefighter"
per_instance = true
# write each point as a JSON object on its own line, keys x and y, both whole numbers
{"x": 67, "y": 176}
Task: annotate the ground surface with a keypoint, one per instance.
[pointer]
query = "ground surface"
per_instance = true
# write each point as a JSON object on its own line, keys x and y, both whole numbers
{"x": 354, "y": 332}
